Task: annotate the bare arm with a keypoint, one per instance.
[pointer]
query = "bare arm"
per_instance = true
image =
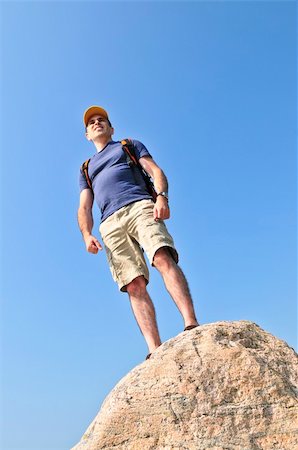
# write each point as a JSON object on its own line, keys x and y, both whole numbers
{"x": 161, "y": 208}
{"x": 85, "y": 220}
{"x": 160, "y": 180}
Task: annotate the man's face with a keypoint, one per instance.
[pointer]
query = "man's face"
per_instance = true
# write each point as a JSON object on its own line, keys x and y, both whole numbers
{"x": 98, "y": 126}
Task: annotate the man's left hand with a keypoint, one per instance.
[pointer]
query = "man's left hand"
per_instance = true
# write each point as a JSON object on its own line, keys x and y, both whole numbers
{"x": 161, "y": 209}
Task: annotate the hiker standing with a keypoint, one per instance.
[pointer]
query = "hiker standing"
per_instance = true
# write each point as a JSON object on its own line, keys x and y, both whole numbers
{"x": 131, "y": 221}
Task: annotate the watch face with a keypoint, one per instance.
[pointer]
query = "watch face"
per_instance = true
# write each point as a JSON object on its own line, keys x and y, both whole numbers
{"x": 164, "y": 194}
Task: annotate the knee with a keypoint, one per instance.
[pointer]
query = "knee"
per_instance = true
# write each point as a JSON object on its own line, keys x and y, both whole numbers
{"x": 137, "y": 287}
{"x": 163, "y": 260}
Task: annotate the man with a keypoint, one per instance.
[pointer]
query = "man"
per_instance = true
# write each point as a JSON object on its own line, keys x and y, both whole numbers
{"x": 131, "y": 221}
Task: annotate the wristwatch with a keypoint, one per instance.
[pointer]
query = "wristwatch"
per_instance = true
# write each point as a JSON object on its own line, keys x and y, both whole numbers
{"x": 164, "y": 194}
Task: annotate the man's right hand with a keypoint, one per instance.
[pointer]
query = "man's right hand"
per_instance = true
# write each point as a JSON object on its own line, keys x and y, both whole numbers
{"x": 92, "y": 244}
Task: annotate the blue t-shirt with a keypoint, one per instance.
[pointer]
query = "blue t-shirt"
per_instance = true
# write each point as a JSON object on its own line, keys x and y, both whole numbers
{"x": 115, "y": 184}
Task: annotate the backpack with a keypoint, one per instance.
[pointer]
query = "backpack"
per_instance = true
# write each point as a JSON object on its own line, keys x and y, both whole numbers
{"x": 129, "y": 149}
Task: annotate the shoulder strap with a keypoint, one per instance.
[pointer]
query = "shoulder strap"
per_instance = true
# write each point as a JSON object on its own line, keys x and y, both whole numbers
{"x": 128, "y": 147}
{"x": 84, "y": 170}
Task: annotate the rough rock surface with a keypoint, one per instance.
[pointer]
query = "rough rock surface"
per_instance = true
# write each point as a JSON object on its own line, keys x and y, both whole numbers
{"x": 221, "y": 386}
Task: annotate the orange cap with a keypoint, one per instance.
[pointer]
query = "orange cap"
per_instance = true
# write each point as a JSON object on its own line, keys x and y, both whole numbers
{"x": 94, "y": 110}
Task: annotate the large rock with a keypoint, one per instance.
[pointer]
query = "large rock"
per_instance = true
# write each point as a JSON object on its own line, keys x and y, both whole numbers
{"x": 221, "y": 386}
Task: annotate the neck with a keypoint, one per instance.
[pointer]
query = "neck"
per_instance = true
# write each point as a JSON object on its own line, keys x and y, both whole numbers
{"x": 101, "y": 142}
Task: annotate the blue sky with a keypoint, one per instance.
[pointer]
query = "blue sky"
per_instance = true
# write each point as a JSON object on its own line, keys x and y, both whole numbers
{"x": 210, "y": 88}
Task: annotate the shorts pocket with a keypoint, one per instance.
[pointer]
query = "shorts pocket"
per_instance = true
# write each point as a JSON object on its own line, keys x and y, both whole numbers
{"x": 111, "y": 264}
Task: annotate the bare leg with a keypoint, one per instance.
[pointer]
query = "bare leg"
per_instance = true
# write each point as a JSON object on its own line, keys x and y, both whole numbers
{"x": 144, "y": 312}
{"x": 176, "y": 285}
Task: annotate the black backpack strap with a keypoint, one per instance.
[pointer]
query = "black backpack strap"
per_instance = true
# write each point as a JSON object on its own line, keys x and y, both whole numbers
{"x": 84, "y": 170}
{"x": 129, "y": 149}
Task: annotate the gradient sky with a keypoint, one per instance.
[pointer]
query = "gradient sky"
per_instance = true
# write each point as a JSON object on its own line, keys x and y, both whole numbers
{"x": 210, "y": 88}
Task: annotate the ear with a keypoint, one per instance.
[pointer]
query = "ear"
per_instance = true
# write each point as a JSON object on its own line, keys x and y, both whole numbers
{"x": 87, "y": 136}
{"x": 112, "y": 131}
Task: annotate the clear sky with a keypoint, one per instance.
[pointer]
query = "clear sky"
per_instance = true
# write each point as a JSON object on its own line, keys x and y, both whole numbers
{"x": 210, "y": 89}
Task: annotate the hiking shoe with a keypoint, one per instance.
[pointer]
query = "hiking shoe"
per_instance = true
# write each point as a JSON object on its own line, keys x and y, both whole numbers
{"x": 190, "y": 327}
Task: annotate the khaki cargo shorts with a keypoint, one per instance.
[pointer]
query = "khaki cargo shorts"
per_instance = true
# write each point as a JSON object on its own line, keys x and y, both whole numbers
{"x": 125, "y": 233}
